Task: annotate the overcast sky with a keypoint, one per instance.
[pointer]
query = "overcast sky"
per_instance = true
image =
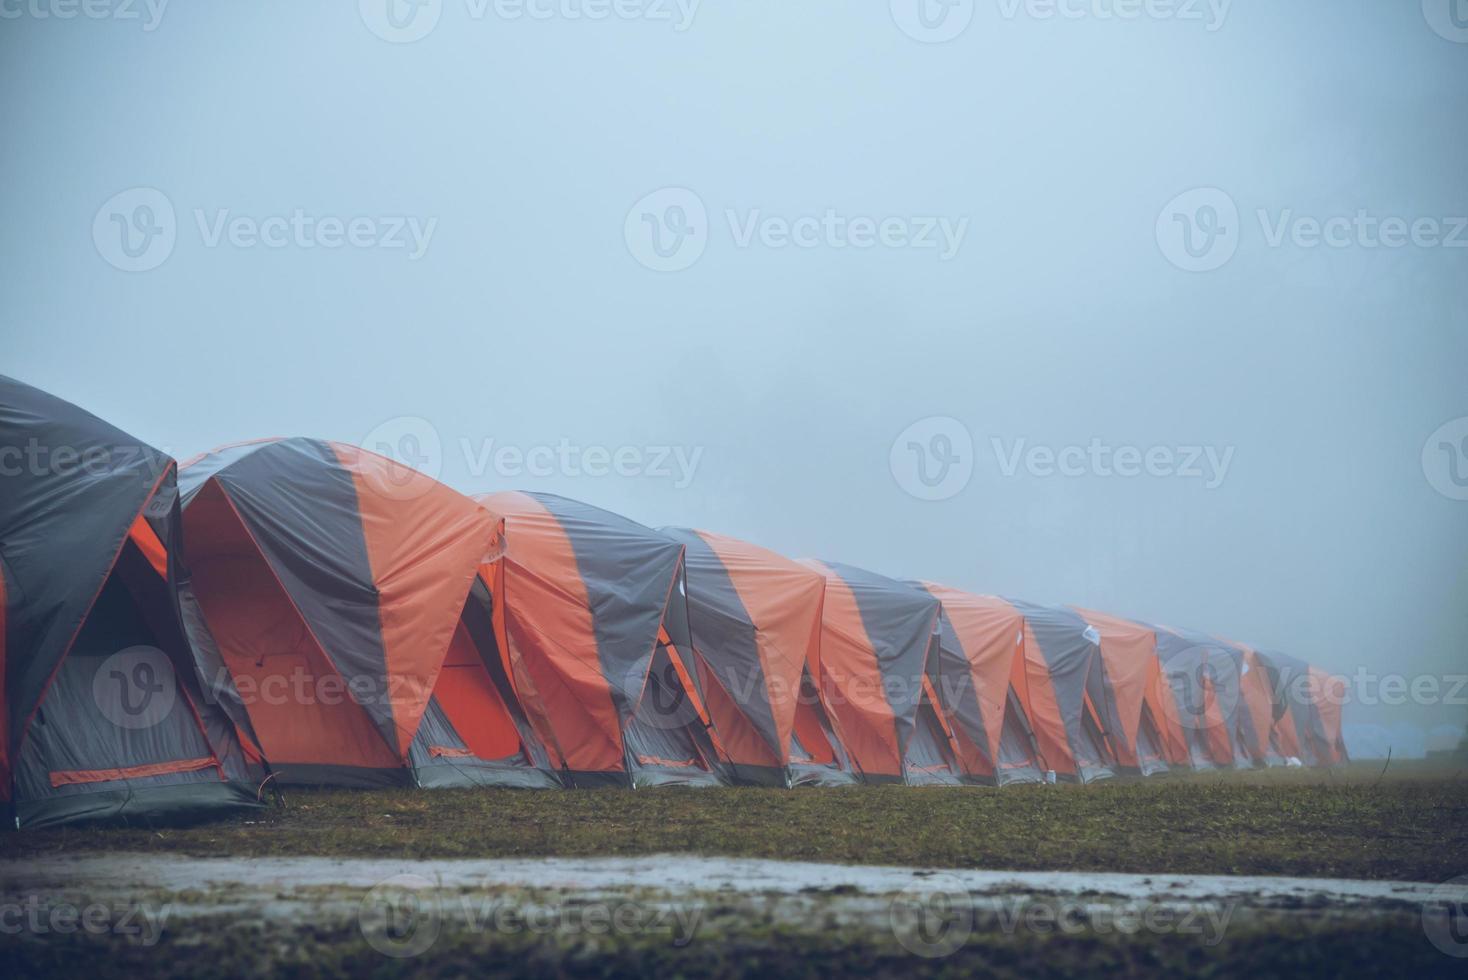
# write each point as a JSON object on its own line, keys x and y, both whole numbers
{"x": 1157, "y": 308}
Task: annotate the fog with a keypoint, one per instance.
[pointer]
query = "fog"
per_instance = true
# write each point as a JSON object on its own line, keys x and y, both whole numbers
{"x": 863, "y": 227}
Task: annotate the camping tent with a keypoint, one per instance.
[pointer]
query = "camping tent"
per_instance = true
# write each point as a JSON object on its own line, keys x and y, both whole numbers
{"x": 1056, "y": 676}
{"x": 1291, "y": 711}
{"x": 980, "y": 648}
{"x": 1255, "y": 740}
{"x": 100, "y": 708}
{"x": 1307, "y": 710}
{"x": 1061, "y": 685}
{"x": 879, "y": 642}
{"x": 755, "y": 620}
{"x": 337, "y": 590}
{"x": 590, "y": 608}
{"x": 1228, "y": 700}
{"x": 1205, "y": 675}
{"x": 1140, "y": 709}
{"x": 1330, "y": 701}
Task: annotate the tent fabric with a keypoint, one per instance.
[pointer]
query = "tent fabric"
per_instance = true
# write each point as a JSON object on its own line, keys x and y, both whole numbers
{"x": 818, "y": 755}
{"x": 1278, "y": 750}
{"x": 1307, "y": 710}
{"x": 103, "y": 714}
{"x": 1330, "y": 697}
{"x": 755, "y": 622}
{"x": 932, "y": 753}
{"x": 1257, "y": 718}
{"x": 1064, "y": 684}
{"x": 878, "y": 639}
{"x": 978, "y": 655}
{"x": 1284, "y": 738}
{"x": 329, "y": 587}
{"x": 1256, "y": 708}
{"x": 474, "y": 731}
{"x": 1142, "y": 712}
{"x": 1204, "y": 673}
{"x": 592, "y": 615}
{"x": 1297, "y": 732}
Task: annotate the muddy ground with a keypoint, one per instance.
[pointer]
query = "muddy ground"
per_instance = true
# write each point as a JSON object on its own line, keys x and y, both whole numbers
{"x": 134, "y": 914}
{"x": 1336, "y": 875}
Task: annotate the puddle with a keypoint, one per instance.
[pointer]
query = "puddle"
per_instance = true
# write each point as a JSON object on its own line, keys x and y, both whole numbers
{"x": 237, "y": 879}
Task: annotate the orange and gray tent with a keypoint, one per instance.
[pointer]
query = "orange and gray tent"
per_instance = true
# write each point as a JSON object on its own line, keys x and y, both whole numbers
{"x": 339, "y": 608}
{"x": 1307, "y": 711}
{"x": 591, "y": 610}
{"x": 1056, "y": 676}
{"x": 1141, "y": 711}
{"x": 1256, "y": 714}
{"x": 1060, "y": 680}
{"x": 879, "y": 647}
{"x": 980, "y": 649}
{"x": 103, "y": 715}
{"x": 1291, "y": 736}
{"x": 755, "y": 624}
{"x": 1216, "y": 706}
{"x": 1330, "y": 699}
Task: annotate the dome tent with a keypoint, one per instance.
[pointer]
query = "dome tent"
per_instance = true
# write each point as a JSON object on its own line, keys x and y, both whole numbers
{"x": 982, "y": 646}
{"x": 591, "y": 611}
{"x": 879, "y": 650}
{"x": 103, "y": 713}
{"x": 755, "y": 619}
{"x": 339, "y": 591}
{"x": 1143, "y": 714}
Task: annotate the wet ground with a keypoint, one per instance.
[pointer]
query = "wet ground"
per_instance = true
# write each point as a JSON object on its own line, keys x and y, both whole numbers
{"x": 119, "y": 876}
{"x": 1239, "y": 874}
{"x": 403, "y": 909}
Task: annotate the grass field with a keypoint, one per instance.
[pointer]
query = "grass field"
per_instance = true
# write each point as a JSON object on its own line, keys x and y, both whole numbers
{"x": 1411, "y": 824}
